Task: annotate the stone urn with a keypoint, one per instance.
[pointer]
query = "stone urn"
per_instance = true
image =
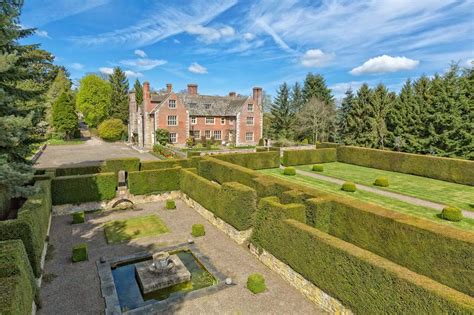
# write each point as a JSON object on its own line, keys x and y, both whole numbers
{"x": 161, "y": 263}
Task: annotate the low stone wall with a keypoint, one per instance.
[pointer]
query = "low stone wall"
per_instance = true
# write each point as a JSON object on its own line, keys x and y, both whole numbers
{"x": 312, "y": 292}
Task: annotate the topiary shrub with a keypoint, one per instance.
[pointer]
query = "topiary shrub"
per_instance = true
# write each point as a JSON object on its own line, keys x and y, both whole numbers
{"x": 170, "y": 204}
{"x": 111, "y": 129}
{"x": 289, "y": 171}
{"x": 349, "y": 187}
{"x": 452, "y": 214}
{"x": 79, "y": 253}
{"x": 198, "y": 230}
{"x": 381, "y": 181}
{"x": 256, "y": 283}
{"x": 78, "y": 217}
{"x": 318, "y": 168}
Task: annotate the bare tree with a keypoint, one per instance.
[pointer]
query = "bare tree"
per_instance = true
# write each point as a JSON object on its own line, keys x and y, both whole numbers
{"x": 315, "y": 119}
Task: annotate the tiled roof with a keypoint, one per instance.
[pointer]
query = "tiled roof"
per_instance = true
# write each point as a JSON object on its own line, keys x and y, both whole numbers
{"x": 206, "y": 105}
{"x": 158, "y": 98}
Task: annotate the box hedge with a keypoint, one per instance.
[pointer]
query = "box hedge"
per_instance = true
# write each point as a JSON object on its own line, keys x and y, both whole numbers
{"x": 121, "y": 164}
{"x": 78, "y": 170}
{"x": 302, "y": 157}
{"x": 349, "y": 187}
{"x": 451, "y": 214}
{"x": 197, "y": 230}
{"x": 146, "y": 182}
{"x": 155, "y": 165}
{"x": 31, "y": 224}
{"x": 78, "y": 217}
{"x": 256, "y": 283}
{"x": 447, "y": 169}
{"x": 221, "y": 172}
{"x": 317, "y": 168}
{"x": 253, "y": 161}
{"x": 200, "y": 189}
{"x": 327, "y": 145}
{"x": 80, "y": 253}
{"x": 17, "y": 282}
{"x": 290, "y": 171}
{"x": 381, "y": 181}
{"x": 84, "y": 188}
{"x": 170, "y": 204}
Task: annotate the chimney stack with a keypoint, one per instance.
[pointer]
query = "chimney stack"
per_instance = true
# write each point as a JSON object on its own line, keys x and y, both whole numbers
{"x": 192, "y": 89}
{"x": 146, "y": 96}
{"x": 169, "y": 87}
{"x": 257, "y": 95}
{"x": 232, "y": 94}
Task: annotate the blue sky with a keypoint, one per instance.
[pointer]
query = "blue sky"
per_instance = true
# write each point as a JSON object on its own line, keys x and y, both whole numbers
{"x": 230, "y": 45}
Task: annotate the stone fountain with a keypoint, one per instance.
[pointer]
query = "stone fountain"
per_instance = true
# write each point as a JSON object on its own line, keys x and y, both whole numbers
{"x": 163, "y": 271}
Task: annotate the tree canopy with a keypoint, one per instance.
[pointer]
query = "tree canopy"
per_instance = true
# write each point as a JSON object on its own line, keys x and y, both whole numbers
{"x": 93, "y": 99}
{"x": 119, "y": 95}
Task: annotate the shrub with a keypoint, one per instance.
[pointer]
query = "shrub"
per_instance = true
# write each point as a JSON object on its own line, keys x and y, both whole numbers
{"x": 111, "y": 129}
{"x": 78, "y": 217}
{"x": 145, "y": 182}
{"x": 349, "y": 187}
{"x": 452, "y": 214}
{"x": 289, "y": 171}
{"x": 318, "y": 167}
{"x": 79, "y": 253}
{"x": 121, "y": 164}
{"x": 301, "y": 157}
{"x": 381, "y": 181}
{"x": 162, "y": 136}
{"x": 260, "y": 142}
{"x": 237, "y": 205}
{"x": 170, "y": 204}
{"x": 254, "y": 161}
{"x": 256, "y": 283}
{"x": 80, "y": 170}
{"x": 198, "y": 230}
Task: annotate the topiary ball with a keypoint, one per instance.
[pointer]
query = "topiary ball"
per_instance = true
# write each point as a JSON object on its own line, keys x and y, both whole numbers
{"x": 349, "y": 187}
{"x": 256, "y": 283}
{"x": 381, "y": 181}
{"x": 79, "y": 253}
{"x": 289, "y": 171}
{"x": 170, "y": 204}
{"x": 452, "y": 214}
{"x": 318, "y": 168}
{"x": 198, "y": 230}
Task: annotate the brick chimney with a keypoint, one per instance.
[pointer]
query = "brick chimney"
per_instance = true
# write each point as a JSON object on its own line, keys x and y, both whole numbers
{"x": 169, "y": 87}
{"x": 192, "y": 89}
{"x": 232, "y": 94}
{"x": 146, "y": 96}
{"x": 257, "y": 95}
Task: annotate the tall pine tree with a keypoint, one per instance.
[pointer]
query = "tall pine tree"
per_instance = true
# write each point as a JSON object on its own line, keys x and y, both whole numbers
{"x": 64, "y": 116}
{"x": 282, "y": 114}
{"x": 381, "y": 102}
{"x": 358, "y": 124}
{"x": 138, "y": 89}
{"x": 119, "y": 96}
{"x": 343, "y": 115}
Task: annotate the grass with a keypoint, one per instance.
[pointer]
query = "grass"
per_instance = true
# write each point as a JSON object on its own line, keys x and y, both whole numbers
{"x": 386, "y": 202}
{"x": 64, "y": 142}
{"x": 461, "y": 196}
{"x": 125, "y": 230}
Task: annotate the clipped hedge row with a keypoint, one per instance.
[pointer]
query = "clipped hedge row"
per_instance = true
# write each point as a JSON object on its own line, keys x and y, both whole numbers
{"x": 301, "y": 157}
{"x": 200, "y": 189}
{"x": 31, "y": 224}
{"x": 155, "y": 165}
{"x": 121, "y": 164}
{"x": 146, "y": 182}
{"x": 361, "y": 280}
{"x": 84, "y": 188}
{"x": 440, "y": 252}
{"x": 447, "y": 169}
{"x": 326, "y": 145}
{"x": 254, "y": 161}
{"x": 78, "y": 170}
{"x": 221, "y": 172}
{"x": 17, "y": 282}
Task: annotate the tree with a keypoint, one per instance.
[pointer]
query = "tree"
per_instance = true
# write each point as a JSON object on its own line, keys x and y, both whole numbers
{"x": 93, "y": 99}
{"x": 343, "y": 115}
{"x": 315, "y": 119}
{"x": 119, "y": 95}
{"x": 61, "y": 84}
{"x": 358, "y": 125}
{"x": 138, "y": 88}
{"x": 315, "y": 87}
{"x": 111, "y": 129}
{"x": 381, "y": 102}
{"x": 282, "y": 114}
{"x": 297, "y": 99}
{"x": 162, "y": 136}
{"x": 64, "y": 116}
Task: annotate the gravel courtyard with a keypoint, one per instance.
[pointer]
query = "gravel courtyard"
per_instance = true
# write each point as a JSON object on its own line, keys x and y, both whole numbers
{"x": 76, "y": 290}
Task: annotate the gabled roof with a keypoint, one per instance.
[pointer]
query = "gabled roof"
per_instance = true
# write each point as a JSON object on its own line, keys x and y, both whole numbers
{"x": 207, "y": 105}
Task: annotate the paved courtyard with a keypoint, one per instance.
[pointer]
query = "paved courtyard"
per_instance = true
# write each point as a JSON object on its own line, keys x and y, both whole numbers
{"x": 91, "y": 152}
{"x": 76, "y": 288}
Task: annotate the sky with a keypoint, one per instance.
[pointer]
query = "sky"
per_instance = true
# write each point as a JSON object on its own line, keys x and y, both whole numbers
{"x": 230, "y": 45}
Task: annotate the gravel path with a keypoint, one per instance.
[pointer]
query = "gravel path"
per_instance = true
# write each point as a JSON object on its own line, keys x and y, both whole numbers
{"x": 401, "y": 197}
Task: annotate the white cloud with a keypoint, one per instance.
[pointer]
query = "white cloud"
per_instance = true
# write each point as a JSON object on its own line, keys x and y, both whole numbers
{"x": 384, "y": 63}
{"x": 316, "y": 58}
{"x": 143, "y": 64}
{"x": 248, "y": 36}
{"x": 106, "y": 70}
{"x": 140, "y": 53}
{"x": 209, "y": 34}
{"x": 133, "y": 74}
{"x": 470, "y": 63}
{"x": 42, "y": 34}
{"x": 176, "y": 41}
{"x": 197, "y": 68}
{"x": 77, "y": 66}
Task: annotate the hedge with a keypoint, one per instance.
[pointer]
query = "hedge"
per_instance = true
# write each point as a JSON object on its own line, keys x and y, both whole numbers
{"x": 447, "y": 169}
{"x": 156, "y": 165}
{"x": 80, "y": 252}
{"x": 326, "y": 145}
{"x": 221, "y": 172}
{"x": 254, "y": 161}
{"x": 200, "y": 189}
{"x": 440, "y": 252}
{"x": 256, "y": 283}
{"x": 197, "y": 230}
{"x": 78, "y": 170}
{"x": 17, "y": 282}
{"x": 84, "y": 188}
{"x": 121, "y": 164}
{"x": 302, "y": 157}
{"x": 145, "y": 182}
{"x": 31, "y": 224}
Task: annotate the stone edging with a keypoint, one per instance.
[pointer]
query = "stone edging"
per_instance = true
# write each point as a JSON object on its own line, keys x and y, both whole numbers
{"x": 308, "y": 289}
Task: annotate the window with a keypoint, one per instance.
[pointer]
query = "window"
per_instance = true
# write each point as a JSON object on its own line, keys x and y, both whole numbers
{"x": 249, "y": 136}
{"x": 192, "y": 105}
{"x": 210, "y": 120}
{"x": 231, "y": 121}
{"x": 193, "y": 120}
{"x": 217, "y": 134}
{"x": 250, "y": 121}
{"x": 207, "y": 106}
{"x": 172, "y": 121}
{"x": 222, "y": 120}
{"x": 196, "y": 134}
{"x": 172, "y": 104}
{"x": 250, "y": 107}
{"x": 208, "y": 134}
{"x": 173, "y": 137}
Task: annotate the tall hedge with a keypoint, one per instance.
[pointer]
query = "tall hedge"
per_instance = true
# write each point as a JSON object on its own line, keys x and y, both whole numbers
{"x": 31, "y": 224}
{"x": 121, "y": 164}
{"x": 200, "y": 189}
{"x": 221, "y": 172}
{"x": 17, "y": 282}
{"x": 254, "y": 161}
{"x": 84, "y": 188}
{"x": 325, "y": 145}
{"x": 155, "y": 165}
{"x": 447, "y": 169}
{"x": 301, "y": 157}
{"x": 78, "y": 170}
{"x": 145, "y": 182}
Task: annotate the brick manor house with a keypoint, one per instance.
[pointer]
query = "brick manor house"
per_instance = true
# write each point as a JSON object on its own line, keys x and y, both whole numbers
{"x": 230, "y": 119}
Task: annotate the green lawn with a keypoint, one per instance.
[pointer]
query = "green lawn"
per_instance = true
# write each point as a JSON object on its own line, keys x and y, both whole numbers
{"x": 64, "y": 142}
{"x": 439, "y": 191}
{"x": 133, "y": 228}
{"x": 387, "y": 202}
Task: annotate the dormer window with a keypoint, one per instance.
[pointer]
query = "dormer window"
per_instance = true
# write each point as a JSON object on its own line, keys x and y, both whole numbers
{"x": 192, "y": 105}
{"x": 172, "y": 104}
{"x": 250, "y": 107}
{"x": 207, "y": 106}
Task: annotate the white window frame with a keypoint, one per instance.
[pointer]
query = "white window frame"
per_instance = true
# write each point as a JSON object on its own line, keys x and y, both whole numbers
{"x": 247, "y": 120}
{"x": 168, "y": 120}
{"x": 218, "y": 132}
{"x": 213, "y": 120}
{"x": 174, "y": 104}
{"x": 194, "y": 120}
{"x": 176, "y": 137}
{"x": 247, "y": 134}
{"x": 207, "y": 134}
{"x": 222, "y": 120}
{"x": 250, "y": 107}
{"x": 198, "y": 134}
